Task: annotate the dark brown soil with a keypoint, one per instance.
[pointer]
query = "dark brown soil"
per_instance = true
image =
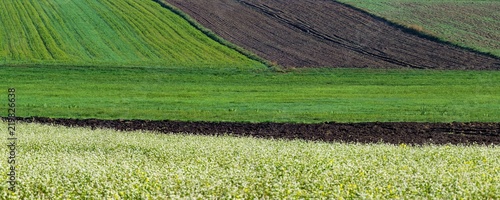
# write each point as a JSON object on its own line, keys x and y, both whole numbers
{"x": 393, "y": 133}
{"x": 326, "y": 33}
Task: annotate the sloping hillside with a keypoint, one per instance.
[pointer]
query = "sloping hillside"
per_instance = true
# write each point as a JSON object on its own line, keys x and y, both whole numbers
{"x": 473, "y": 24}
{"x": 96, "y": 32}
{"x": 315, "y": 33}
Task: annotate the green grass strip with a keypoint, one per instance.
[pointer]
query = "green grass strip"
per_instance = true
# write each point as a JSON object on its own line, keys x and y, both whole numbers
{"x": 227, "y": 93}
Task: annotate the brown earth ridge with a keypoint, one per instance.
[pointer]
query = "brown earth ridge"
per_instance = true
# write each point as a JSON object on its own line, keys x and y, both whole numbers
{"x": 372, "y": 132}
{"x": 326, "y": 33}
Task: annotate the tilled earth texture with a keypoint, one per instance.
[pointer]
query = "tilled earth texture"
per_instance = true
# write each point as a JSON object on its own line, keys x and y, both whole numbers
{"x": 325, "y": 33}
{"x": 375, "y": 132}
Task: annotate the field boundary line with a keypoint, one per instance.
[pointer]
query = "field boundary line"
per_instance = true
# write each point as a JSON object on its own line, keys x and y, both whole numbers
{"x": 212, "y": 35}
{"x": 421, "y": 34}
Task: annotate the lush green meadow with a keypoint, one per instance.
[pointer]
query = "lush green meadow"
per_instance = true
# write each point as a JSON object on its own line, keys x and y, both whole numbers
{"x": 257, "y": 95}
{"x": 472, "y": 23}
{"x": 105, "y": 32}
{"x": 75, "y": 163}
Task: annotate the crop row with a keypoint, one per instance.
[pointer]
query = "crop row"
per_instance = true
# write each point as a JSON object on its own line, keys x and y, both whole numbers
{"x": 105, "y": 32}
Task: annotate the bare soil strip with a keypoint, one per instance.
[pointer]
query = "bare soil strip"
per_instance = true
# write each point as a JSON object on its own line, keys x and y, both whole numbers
{"x": 326, "y": 33}
{"x": 373, "y": 132}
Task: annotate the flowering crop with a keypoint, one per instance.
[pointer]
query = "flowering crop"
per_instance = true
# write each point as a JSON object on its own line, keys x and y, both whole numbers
{"x": 74, "y": 163}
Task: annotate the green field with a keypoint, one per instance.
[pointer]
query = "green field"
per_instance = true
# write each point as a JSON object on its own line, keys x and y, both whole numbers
{"x": 215, "y": 94}
{"x": 474, "y": 23}
{"x": 133, "y": 59}
{"x": 105, "y": 32}
{"x": 129, "y": 59}
{"x": 67, "y": 163}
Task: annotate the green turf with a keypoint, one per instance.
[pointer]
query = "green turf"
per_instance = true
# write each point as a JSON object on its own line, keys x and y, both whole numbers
{"x": 230, "y": 94}
{"x": 105, "y": 32}
{"x": 67, "y": 163}
{"x": 174, "y": 71}
{"x": 474, "y": 23}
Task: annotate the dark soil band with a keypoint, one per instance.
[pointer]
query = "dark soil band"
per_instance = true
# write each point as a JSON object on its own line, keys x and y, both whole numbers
{"x": 372, "y": 132}
{"x": 326, "y": 33}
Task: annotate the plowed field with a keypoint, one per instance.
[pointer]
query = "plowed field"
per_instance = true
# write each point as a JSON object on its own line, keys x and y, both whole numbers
{"x": 316, "y": 33}
{"x": 393, "y": 133}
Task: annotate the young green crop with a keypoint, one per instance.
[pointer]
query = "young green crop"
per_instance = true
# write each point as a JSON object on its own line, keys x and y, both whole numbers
{"x": 226, "y": 93}
{"x": 76, "y": 163}
{"x": 106, "y": 32}
{"x": 472, "y": 24}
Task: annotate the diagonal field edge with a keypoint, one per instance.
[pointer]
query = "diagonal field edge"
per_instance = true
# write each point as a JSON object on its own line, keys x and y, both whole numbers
{"x": 334, "y": 35}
